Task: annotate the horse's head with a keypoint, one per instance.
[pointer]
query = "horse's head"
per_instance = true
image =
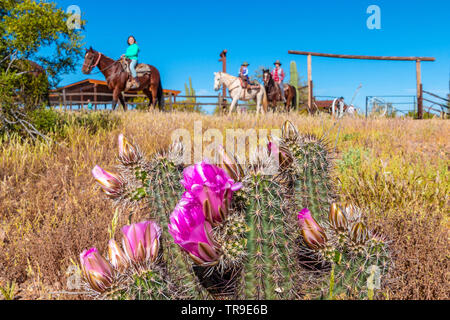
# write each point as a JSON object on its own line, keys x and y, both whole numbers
{"x": 90, "y": 61}
{"x": 266, "y": 76}
{"x": 217, "y": 81}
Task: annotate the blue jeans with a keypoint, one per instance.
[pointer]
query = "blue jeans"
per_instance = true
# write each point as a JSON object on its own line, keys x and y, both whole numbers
{"x": 281, "y": 85}
{"x": 133, "y": 65}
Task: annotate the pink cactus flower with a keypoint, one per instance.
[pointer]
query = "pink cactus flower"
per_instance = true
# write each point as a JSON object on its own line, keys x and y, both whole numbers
{"x": 110, "y": 183}
{"x": 213, "y": 189}
{"x": 313, "y": 234}
{"x": 192, "y": 232}
{"x": 96, "y": 269}
{"x": 141, "y": 241}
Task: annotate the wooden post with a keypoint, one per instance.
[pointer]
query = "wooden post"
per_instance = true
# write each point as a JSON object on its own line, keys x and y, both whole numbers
{"x": 223, "y": 59}
{"x": 64, "y": 99}
{"x": 95, "y": 97}
{"x": 420, "y": 112}
{"x": 310, "y": 89}
{"x": 170, "y": 102}
{"x": 419, "y": 90}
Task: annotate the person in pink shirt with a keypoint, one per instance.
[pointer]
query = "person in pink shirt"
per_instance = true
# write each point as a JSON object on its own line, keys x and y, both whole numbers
{"x": 278, "y": 76}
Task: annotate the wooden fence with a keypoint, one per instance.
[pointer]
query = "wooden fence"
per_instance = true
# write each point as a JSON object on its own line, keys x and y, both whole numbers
{"x": 79, "y": 101}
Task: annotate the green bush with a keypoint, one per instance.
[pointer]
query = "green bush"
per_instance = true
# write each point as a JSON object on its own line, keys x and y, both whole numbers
{"x": 56, "y": 124}
{"x": 46, "y": 121}
{"x": 351, "y": 160}
{"x": 93, "y": 121}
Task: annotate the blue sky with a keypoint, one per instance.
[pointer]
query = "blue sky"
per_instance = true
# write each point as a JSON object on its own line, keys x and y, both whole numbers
{"x": 184, "y": 38}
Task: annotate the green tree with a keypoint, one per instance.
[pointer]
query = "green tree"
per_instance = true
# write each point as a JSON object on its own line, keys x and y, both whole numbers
{"x": 37, "y": 46}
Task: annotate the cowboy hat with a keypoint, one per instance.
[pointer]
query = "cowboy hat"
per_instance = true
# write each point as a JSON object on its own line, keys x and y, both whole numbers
{"x": 278, "y": 62}
{"x": 245, "y": 64}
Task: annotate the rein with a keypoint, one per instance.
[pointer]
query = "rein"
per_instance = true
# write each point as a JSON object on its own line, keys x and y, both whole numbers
{"x": 97, "y": 62}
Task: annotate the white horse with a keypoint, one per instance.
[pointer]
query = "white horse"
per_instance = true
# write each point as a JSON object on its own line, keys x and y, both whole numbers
{"x": 233, "y": 84}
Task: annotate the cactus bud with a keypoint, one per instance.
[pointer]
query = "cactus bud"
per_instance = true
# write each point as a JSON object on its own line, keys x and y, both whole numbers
{"x": 128, "y": 153}
{"x": 110, "y": 183}
{"x": 313, "y": 234}
{"x": 350, "y": 210}
{"x": 230, "y": 164}
{"x": 337, "y": 218}
{"x": 275, "y": 149}
{"x": 289, "y": 131}
{"x": 96, "y": 269}
{"x": 359, "y": 233}
{"x": 116, "y": 256}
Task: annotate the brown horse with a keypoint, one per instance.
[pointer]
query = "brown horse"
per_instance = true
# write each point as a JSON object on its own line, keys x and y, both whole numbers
{"x": 117, "y": 78}
{"x": 274, "y": 92}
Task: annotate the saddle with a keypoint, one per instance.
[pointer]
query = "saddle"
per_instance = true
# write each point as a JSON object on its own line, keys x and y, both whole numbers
{"x": 141, "y": 70}
{"x": 249, "y": 85}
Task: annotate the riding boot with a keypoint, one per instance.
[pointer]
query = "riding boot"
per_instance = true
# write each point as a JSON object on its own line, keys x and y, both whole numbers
{"x": 136, "y": 83}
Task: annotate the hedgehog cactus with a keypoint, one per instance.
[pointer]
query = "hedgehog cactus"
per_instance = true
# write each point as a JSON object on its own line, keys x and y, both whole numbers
{"x": 155, "y": 182}
{"x": 231, "y": 232}
{"x": 313, "y": 186}
{"x": 269, "y": 269}
{"x": 356, "y": 257}
{"x": 135, "y": 271}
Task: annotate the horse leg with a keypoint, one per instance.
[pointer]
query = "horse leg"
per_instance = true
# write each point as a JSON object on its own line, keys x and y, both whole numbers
{"x": 259, "y": 99}
{"x": 115, "y": 100}
{"x": 154, "y": 92}
{"x": 122, "y": 101}
{"x": 258, "y": 103}
{"x": 150, "y": 97}
{"x": 233, "y": 104}
{"x": 287, "y": 104}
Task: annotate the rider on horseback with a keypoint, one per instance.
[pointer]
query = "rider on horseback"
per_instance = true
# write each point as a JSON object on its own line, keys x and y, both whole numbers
{"x": 132, "y": 54}
{"x": 278, "y": 76}
{"x": 243, "y": 74}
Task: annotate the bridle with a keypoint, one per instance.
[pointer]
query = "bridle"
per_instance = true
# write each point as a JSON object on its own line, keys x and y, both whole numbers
{"x": 268, "y": 79}
{"x": 92, "y": 66}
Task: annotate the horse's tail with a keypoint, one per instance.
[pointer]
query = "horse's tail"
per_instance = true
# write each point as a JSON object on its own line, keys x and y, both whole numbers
{"x": 265, "y": 101}
{"x": 160, "y": 97}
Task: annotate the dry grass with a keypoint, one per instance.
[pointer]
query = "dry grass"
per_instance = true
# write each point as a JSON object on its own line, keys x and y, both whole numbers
{"x": 50, "y": 208}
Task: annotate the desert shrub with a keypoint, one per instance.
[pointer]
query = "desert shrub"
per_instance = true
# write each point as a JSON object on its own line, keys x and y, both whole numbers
{"x": 58, "y": 125}
{"x": 46, "y": 120}
{"x": 351, "y": 160}
{"x": 93, "y": 122}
